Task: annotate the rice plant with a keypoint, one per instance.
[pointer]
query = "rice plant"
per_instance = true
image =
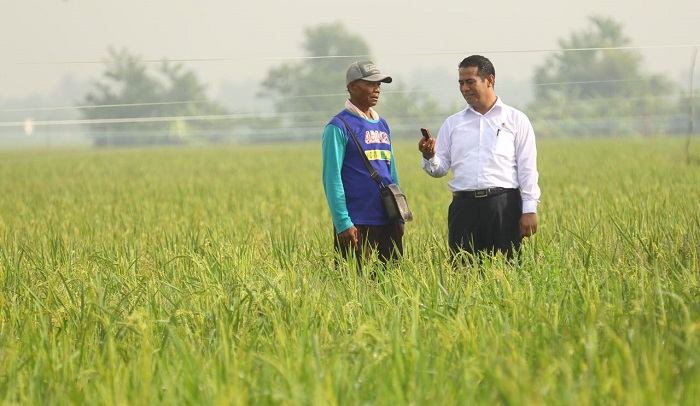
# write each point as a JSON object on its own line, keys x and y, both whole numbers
{"x": 207, "y": 276}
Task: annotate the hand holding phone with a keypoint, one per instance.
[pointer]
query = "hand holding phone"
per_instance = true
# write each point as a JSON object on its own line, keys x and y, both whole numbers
{"x": 426, "y": 145}
{"x": 426, "y": 133}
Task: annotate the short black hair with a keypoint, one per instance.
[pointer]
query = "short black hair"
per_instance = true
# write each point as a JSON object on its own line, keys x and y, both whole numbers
{"x": 482, "y": 63}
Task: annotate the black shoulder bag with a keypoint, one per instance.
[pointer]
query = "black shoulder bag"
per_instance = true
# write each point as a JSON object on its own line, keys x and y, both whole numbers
{"x": 393, "y": 198}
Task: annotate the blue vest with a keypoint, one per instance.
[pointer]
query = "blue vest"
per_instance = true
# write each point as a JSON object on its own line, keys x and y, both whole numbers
{"x": 362, "y": 194}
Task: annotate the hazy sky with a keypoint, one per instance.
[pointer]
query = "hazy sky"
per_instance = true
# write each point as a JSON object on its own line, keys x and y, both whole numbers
{"x": 43, "y": 40}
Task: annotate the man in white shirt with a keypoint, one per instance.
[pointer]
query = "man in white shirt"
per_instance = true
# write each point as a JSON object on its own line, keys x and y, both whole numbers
{"x": 490, "y": 148}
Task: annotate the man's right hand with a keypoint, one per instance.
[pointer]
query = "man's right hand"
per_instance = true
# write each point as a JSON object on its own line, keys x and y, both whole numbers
{"x": 349, "y": 236}
{"x": 427, "y": 147}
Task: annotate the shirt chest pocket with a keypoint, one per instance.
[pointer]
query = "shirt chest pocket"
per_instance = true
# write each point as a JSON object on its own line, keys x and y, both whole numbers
{"x": 505, "y": 144}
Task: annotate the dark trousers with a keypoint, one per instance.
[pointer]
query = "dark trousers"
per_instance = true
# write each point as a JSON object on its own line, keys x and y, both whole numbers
{"x": 385, "y": 240}
{"x": 486, "y": 225}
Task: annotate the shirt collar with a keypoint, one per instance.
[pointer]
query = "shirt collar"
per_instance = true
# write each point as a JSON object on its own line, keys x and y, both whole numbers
{"x": 498, "y": 105}
{"x": 353, "y": 109}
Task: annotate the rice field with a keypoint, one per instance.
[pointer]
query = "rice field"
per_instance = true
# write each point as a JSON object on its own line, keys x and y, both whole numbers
{"x": 206, "y": 276}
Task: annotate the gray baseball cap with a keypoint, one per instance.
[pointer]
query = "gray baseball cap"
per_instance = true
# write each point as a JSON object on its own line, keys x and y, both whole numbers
{"x": 366, "y": 70}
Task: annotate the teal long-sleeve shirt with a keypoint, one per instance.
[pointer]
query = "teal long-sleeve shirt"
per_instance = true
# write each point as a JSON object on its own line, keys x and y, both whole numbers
{"x": 333, "y": 151}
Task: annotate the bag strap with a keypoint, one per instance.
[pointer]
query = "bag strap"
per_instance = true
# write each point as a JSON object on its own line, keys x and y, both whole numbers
{"x": 372, "y": 172}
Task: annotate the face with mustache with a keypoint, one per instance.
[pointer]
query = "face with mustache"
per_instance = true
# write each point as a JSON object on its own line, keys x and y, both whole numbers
{"x": 477, "y": 91}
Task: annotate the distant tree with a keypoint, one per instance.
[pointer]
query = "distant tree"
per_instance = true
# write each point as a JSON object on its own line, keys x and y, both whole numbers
{"x": 303, "y": 91}
{"x": 308, "y": 91}
{"x": 596, "y": 85}
{"x": 409, "y": 110}
{"x": 133, "y": 104}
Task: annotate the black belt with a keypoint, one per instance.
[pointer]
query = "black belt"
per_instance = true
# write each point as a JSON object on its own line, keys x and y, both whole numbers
{"x": 475, "y": 194}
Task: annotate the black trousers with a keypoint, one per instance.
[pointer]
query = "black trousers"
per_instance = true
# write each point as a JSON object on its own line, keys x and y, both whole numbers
{"x": 486, "y": 225}
{"x": 386, "y": 240}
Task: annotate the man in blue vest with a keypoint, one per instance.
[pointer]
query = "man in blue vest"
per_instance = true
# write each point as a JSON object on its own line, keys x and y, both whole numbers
{"x": 360, "y": 221}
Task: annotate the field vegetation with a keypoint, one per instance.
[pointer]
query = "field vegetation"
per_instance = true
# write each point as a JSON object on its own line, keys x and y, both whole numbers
{"x": 206, "y": 276}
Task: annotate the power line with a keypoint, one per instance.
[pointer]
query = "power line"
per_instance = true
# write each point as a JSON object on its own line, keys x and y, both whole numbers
{"x": 263, "y": 115}
{"x": 101, "y": 106}
{"x": 128, "y": 120}
{"x": 249, "y": 57}
{"x": 417, "y": 90}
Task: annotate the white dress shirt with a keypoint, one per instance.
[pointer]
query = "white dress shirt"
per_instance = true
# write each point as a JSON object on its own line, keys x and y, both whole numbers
{"x": 496, "y": 149}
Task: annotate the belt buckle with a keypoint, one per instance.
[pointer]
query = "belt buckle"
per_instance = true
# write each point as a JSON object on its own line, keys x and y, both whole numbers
{"x": 481, "y": 193}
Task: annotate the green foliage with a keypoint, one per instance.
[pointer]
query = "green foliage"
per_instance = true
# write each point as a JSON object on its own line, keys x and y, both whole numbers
{"x": 594, "y": 85}
{"x": 180, "y": 276}
{"x": 308, "y": 92}
{"x": 133, "y": 104}
{"x": 314, "y": 87}
{"x": 407, "y": 111}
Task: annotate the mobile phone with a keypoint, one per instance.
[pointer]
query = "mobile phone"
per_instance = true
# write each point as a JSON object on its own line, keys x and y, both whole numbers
{"x": 426, "y": 133}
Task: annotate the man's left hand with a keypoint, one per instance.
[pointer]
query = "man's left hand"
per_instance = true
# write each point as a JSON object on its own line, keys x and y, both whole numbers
{"x": 528, "y": 224}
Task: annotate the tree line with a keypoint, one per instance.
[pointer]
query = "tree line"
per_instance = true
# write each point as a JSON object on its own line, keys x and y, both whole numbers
{"x": 601, "y": 89}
